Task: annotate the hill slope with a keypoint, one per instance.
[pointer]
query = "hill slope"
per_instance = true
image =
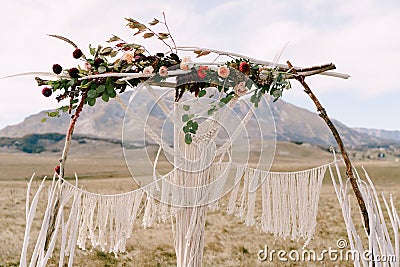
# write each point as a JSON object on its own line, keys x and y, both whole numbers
{"x": 292, "y": 124}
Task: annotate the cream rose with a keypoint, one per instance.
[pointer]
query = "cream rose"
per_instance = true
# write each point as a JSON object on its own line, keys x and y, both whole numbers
{"x": 163, "y": 71}
{"x": 223, "y": 71}
{"x": 148, "y": 70}
{"x": 186, "y": 63}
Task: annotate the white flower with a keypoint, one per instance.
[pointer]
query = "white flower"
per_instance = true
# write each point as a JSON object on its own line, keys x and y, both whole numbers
{"x": 186, "y": 63}
{"x": 240, "y": 88}
{"x": 163, "y": 71}
{"x": 148, "y": 70}
{"x": 223, "y": 71}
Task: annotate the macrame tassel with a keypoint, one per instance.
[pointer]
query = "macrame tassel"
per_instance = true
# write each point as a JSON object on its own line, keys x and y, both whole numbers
{"x": 289, "y": 200}
{"x": 231, "y": 208}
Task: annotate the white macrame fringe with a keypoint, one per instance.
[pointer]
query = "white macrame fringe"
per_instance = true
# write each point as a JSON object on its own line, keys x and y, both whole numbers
{"x": 289, "y": 203}
{"x": 380, "y": 243}
{"x": 289, "y": 200}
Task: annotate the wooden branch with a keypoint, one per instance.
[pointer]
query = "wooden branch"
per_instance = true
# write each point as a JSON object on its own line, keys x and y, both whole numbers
{"x": 349, "y": 168}
{"x": 68, "y": 137}
{"x": 257, "y": 61}
{"x": 63, "y": 161}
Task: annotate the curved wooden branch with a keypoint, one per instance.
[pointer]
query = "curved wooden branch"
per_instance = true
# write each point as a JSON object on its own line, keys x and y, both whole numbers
{"x": 257, "y": 61}
{"x": 349, "y": 168}
{"x": 68, "y": 137}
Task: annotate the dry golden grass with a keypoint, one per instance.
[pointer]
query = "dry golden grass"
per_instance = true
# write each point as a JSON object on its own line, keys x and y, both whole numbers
{"x": 228, "y": 241}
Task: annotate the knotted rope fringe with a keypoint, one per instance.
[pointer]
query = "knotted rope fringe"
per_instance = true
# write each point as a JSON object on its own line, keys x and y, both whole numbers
{"x": 289, "y": 201}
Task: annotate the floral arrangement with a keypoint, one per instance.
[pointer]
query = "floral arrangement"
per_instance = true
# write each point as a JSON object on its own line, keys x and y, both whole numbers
{"x": 108, "y": 70}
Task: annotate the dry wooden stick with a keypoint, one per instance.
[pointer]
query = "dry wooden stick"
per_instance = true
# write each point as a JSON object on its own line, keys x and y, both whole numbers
{"x": 63, "y": 161}
{"x": 349, "y": 168}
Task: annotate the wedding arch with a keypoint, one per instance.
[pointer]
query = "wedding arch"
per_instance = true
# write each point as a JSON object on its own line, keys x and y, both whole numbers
{"x": 208, "y": 119}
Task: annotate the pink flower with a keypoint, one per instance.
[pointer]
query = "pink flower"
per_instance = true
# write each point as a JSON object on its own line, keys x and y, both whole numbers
{"x": 202, "y": 71}
{"x": 186, "y": 63}
{"x": 223, "y": 71}
{"x": 128, "y": 57}
{"x": 148, "y": 70}
{"x": 163, "y": 71}
{"x": 240, "y": 88}
{"x": 88, "y": 66}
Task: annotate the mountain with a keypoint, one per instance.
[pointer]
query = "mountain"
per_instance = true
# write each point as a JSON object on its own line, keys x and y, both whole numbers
{"x": 294, "y": 124}
{"x": 384, "y": 134}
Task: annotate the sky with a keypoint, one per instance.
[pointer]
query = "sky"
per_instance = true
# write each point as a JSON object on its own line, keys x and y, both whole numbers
{"x": 360, "y": 37}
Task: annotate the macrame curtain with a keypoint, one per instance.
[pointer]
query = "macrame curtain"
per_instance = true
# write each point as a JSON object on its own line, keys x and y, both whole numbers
{"x": 289, "y": 204}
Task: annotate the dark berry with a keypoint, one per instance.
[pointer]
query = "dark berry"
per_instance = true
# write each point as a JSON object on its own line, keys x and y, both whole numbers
{"x": 57, "y": 169}
{"x": 77, "y": 53}
{"x": 73, "y": 72}
{"x": 100, "y": 80}
{"x": 47, "y": 91}
{"x": 98, "y": 61}
{"x": 160, "y": 54}
{"x": 57, "y": 69}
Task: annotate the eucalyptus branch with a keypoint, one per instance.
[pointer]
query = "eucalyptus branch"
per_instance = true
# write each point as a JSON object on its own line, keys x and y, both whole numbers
{"x": 349, "y": 168}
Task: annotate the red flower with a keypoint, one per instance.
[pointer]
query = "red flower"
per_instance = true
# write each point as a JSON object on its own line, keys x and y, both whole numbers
{"x": 57, "y": 69}
{"x": 47, "y": 92}
{"x": 202, "y": 72}
{"x": 244, "y": 67}
{"x": 57, "y": 169}
{"x": 77, "y": 53}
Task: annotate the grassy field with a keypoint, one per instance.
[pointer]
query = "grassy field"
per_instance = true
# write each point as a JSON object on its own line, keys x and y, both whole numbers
{"x": 228, "y": 241}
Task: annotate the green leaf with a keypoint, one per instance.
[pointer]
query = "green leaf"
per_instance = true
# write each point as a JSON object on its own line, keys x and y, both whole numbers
{"x": 112, "y": 94}
{"x": 211, "y": 111}
{"x": 92, "y": 50}
{"x": 188, "y": 138}
{"x": 102, "y": 69}
{"x": 202, "y": 93}
{"x": 43, "y": 120}
{"x": 109, "y": 88}
{"x": 154, "y": 22}
{"x": 186, "y": 107}
{"x": 53, "y": 114}
{"x": 189, "y": 123}
{"x": 92, "y": 94}
{"x": 185, "y": 117}
{"x": 86, "y": 85}
{"x": 64, "y": 108}
{"x": 101, "y": 89}
{"x": 193, "y": 131}
{"x": 92, "y": 101}
{"x": 105, "y": 97}
{"x": 191, "y": 116}
{"x": 195, "y": 125}
{"x": 186, "y": 129}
